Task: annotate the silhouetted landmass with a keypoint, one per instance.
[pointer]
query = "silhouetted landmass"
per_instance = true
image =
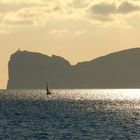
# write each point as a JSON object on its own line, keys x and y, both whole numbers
{"x": 29, "y": 70}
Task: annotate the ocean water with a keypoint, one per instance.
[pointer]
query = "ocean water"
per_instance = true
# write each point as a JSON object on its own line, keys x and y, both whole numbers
{"x": 70, "y": 115}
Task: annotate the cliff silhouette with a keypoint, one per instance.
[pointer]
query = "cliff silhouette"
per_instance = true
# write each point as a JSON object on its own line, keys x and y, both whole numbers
{"x": 30, "y": 70}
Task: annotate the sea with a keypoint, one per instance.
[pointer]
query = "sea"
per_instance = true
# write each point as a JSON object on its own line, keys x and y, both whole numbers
{"x": 70, "y": 114}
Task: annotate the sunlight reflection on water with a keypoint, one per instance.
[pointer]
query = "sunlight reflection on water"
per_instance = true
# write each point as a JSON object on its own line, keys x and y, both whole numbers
{"x": 78, "y": 94}
{"x": 110, "y": 114}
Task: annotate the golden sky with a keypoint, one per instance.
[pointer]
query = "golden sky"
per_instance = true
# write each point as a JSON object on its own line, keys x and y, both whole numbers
{"x": 77, "y": 30}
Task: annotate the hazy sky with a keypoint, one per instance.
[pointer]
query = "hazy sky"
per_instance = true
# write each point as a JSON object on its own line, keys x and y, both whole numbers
{"x": 78, "y": 30}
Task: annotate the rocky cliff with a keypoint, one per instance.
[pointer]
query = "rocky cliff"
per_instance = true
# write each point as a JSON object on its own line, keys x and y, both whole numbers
{"x": 29, "y": 70}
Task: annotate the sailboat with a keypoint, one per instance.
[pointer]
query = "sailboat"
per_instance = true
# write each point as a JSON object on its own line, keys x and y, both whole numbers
{"x": 48, "y": 91}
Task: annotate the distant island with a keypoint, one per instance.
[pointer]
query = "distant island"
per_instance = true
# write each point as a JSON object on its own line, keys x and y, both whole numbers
{"x": 30, "y": 70}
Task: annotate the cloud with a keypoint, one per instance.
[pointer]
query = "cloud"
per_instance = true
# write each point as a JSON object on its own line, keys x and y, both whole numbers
{"x": 103, "y": 8}
{"x": 7, "y": 7}
{"x": 59, "y": 32}
{"x": 24, "y": 14}
{"x": 20, "y": 1}
{"x": 126, "y": 8}
{"x": 18, "y": 13}
{"x": 112, "y": 8}
{"x": 110, "y": 11}
{"x": 35, "y": 15}
{"x": 64, "y": 31}
{"x": 78, "y": 3}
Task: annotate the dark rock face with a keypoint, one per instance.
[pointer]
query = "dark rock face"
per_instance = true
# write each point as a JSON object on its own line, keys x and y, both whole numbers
{"x": 28, "y": 70}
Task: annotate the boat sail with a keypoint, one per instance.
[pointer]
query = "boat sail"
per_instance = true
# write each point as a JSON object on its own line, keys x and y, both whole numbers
{"x": 47, "y": 90}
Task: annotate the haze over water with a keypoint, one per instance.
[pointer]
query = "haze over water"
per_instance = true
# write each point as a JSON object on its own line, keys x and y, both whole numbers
{"x": 70, "y": 114}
